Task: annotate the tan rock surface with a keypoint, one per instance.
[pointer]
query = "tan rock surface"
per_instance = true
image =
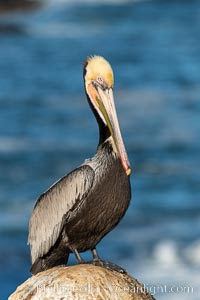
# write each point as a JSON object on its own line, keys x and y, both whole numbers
{"x": 80, "y": 282}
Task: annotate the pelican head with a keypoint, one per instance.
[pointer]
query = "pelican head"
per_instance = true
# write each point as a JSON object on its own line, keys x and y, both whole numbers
{"x": 99, "y": 81}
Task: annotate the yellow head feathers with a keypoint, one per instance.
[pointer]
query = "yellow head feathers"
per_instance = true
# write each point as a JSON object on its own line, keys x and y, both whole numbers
{"x": 98, "y": 67}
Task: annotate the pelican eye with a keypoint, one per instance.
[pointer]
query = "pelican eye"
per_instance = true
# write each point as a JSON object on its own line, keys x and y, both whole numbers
{"x": 101, "y": 82}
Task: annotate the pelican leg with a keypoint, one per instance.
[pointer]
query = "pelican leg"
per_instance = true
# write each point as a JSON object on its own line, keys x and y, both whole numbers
{"x": 95, "y": 255}
{"x": 78, "y": 257}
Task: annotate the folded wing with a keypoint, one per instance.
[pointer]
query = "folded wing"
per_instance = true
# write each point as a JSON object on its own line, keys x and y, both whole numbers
{"x": 47, "y": 218}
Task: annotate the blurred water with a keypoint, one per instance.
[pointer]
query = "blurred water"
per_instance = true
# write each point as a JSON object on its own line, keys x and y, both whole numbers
{"x": 154, "y": 49}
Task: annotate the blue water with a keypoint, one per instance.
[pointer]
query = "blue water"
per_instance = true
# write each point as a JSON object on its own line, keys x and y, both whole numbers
{"x": 47, "y": 128}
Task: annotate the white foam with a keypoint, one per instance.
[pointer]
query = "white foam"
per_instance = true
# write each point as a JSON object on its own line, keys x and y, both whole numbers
{"x": 192, "y": 253}
{"x": 166, "y": 252}
{"x": 177, "y": 281}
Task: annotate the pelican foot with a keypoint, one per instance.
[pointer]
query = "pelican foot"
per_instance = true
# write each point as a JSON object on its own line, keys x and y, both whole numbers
{"x": 108, "y": 265}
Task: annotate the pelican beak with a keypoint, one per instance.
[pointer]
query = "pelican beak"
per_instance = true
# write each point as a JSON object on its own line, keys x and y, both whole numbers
{"x": 103, "y": 100}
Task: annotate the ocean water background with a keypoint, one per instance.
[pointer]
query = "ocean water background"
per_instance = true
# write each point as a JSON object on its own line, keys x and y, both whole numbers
{"x": 47, "y": 129}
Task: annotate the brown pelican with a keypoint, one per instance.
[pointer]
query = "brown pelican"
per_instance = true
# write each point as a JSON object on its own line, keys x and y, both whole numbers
{"x": 75, "y": 213}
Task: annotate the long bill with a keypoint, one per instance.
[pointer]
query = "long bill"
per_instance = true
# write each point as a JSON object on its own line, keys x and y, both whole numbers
{"x": 106, "y": 105}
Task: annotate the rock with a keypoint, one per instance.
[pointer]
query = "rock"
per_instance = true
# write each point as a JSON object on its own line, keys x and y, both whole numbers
{"x": 13, "y": 5}
{"x": 81, "y": 282}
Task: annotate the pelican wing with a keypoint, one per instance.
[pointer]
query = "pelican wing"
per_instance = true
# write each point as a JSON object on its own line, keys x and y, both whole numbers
{"x": 46, "y": 221}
